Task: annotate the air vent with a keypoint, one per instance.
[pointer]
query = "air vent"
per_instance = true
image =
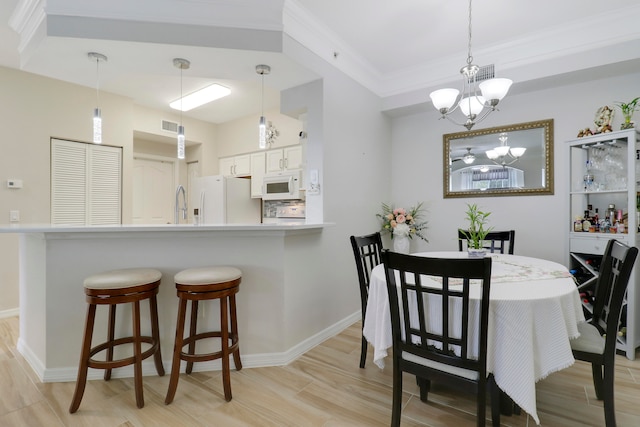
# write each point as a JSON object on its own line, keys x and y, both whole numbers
{"x": 168, "y": 126}
{"x": 485, "y": 72}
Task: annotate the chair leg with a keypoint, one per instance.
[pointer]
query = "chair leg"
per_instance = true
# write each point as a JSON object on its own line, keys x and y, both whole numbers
{"x": 596, "y": 371}
{"x": 84, "y": 360}
{"x": 177, "y": 348}
{"x": 110, "y": 338}
{"x": 192, "y": 331}
{"x": 481, "y": 411}
{"x": 396, "y": 408}
{"x": 137, "y": 354}
{"x": 234, "y": 330}
{"x": 363, "y": 352}
{"x": 224, "y": 337}
{"x": 155, "y": 333}
{"x": 495, "y": 401}
{"x": 607, "y": 391}
{"x": 425, "y": 386}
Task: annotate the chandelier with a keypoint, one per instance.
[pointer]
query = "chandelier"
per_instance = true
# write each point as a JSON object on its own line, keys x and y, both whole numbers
{"x": 504, "y": 155}
{"x": 470, "y": 102}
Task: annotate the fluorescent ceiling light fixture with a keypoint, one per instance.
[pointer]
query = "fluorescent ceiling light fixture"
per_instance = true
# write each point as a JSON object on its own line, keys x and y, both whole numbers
{"x": 200, "y": 97}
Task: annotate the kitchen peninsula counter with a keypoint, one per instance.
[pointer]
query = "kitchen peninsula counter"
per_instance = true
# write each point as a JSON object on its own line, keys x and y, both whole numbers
{"x": 278, "y": 313}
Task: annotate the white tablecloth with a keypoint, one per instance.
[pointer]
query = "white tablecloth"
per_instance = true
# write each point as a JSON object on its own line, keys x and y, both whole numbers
{"x": 534, "y": 311}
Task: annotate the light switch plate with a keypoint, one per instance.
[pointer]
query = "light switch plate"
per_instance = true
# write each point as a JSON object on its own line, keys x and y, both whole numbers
{"x": 14, "y": 216}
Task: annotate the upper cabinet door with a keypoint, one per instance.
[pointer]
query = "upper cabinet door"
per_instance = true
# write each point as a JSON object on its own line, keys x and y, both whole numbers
{"x": 293, "y": 157}
{"x": 284, "y": 158}
{"x": 226, "y": 166}
{"x": 275, "y": 161}
{"x": 243, "y": 165}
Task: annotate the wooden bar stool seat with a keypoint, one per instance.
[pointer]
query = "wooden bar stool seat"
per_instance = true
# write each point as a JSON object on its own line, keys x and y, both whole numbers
{"x": 111, "y": 288}
{"x": 208, "y": 283}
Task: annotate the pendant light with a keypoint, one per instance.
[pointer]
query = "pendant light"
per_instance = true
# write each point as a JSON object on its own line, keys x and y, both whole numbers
{"x": 183, "y": 64}
{"x": 470, "y": 102}
{"x": 97, "y": 114}
{"x": 262, "y": 125}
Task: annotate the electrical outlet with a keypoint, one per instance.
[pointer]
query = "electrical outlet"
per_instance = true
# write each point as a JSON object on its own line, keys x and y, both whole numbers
{"x": 14, "y": 216}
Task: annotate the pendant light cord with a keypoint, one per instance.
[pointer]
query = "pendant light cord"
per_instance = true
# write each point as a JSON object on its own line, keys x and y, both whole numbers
{"x": 469, "y": 57}
{"x": 181, "y": 97}
{"x": 262, "y": 106}
{"x": 97, "y": 82}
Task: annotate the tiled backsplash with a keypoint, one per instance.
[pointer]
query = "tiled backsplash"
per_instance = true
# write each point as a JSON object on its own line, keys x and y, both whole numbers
{"x": 270, "y": 207}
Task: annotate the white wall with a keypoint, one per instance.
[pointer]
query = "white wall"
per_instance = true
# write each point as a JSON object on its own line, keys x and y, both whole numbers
{"x": 540, "y": 221}
{"x": 241, "y": 135}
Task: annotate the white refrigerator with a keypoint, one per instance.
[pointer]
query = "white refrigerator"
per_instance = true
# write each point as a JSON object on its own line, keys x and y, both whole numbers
{"x": 224, "y": 200}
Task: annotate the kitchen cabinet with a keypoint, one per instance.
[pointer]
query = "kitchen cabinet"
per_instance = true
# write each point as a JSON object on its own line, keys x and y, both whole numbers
{"x": 235, "y": 166}
{"x": 258, "y": 168}
{"x": 284, "y": 158}
{"x": 603, "y": 171}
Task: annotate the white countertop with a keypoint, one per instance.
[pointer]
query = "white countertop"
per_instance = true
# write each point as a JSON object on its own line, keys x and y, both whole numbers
{"x": 49, "y": 228}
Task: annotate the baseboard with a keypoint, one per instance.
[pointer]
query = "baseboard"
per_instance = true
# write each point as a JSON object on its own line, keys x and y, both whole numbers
{"x": 148, "y": 367}
{"x": 12, "y": 312}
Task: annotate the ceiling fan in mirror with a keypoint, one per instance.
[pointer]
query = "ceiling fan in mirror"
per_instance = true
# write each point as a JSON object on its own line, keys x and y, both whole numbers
{"x": 468, "y": 158}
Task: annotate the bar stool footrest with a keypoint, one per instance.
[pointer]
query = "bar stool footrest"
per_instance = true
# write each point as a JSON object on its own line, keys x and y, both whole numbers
{"x": 119, "y": 363}
{"x": 205, "y": 357}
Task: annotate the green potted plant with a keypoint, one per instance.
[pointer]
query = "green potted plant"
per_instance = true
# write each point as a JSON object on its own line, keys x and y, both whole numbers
{"x": 477, "y": 231}
{"x": 627, "y": 111}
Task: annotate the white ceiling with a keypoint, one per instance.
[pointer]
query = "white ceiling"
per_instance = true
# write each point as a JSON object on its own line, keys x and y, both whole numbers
{"x": 399, "y": 49}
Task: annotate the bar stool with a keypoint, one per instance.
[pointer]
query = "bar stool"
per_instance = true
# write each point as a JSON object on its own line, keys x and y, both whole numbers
{"x": 198, "y": 284}
{"x": 111, "y": 288}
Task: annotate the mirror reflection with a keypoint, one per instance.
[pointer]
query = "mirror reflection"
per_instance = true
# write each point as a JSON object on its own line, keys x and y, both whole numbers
{"x": 502, "y": 161}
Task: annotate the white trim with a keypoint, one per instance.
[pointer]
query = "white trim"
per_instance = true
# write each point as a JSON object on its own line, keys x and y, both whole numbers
{"x": 9, "y": 313}
{"x": 148, "y": 367}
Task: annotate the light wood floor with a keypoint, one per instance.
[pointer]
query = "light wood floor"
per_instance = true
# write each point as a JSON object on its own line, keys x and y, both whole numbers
{"x": 324, "y": 387}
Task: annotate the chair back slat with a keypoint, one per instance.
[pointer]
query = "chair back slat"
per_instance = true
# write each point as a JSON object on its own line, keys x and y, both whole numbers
{"x": 439, "y": 321}
{"x": 366, "y": 252}
{"x": 495, "y": 241}
{"x": 611, "y": 288}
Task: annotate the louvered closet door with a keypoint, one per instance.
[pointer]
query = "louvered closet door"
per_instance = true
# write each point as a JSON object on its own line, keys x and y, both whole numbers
{"x": 85, "y": 183}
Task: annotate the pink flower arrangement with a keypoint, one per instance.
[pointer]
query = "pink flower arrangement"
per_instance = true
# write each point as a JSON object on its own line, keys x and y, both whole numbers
{"x": 402, "y": 222}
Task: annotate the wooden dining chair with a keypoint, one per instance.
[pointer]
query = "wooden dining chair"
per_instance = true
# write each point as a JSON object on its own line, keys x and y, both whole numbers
{"x": 598, "y": 336}
{"x": 424, "y": 313}
{"x": 496, "y": 241}
{"x": 366, "y": 251}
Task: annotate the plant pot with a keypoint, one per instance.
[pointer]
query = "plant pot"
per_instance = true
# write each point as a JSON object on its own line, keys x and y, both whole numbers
{"x": 476, "y": 253}
{"x": 627, "y": 125}
{"x": 401, "y": 244}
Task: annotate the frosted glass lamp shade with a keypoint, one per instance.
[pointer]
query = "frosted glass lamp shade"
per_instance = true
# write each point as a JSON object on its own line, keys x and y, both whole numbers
{"x": 502, "y": 150}
{"x": 468, "y": 159}
{"x": 495, "y": 88}
{"x": 180, "y": 142}
{"x": 443, "y": 99}
{"x": 471, "y": 105}
{"x": 492, "y": 154}
{"x": 97, "y": 126}
{"x": 262, "y": 133}
{"x": 518, "y": 151}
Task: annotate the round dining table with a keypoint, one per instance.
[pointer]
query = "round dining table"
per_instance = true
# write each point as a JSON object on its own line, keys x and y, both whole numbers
{"x": 534, "y": 311}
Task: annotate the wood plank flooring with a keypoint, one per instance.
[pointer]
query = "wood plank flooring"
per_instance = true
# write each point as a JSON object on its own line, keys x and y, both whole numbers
{"x": 325, "y": 387}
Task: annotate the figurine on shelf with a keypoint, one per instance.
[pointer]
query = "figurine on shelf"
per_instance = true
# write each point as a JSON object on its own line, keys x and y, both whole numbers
{"x": 584, "y": 132}
{"x": 603, "y": 119}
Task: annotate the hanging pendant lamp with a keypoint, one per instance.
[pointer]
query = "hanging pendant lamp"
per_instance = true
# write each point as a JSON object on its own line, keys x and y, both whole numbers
{"x": 182, "y": 64}
{"x": 262, "y": 124}
{"x": 474, "y": 97}
{"x": 97, "y": 114}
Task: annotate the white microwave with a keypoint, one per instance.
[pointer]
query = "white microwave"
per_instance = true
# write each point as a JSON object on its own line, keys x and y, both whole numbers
{"x": 283, "y": 185}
